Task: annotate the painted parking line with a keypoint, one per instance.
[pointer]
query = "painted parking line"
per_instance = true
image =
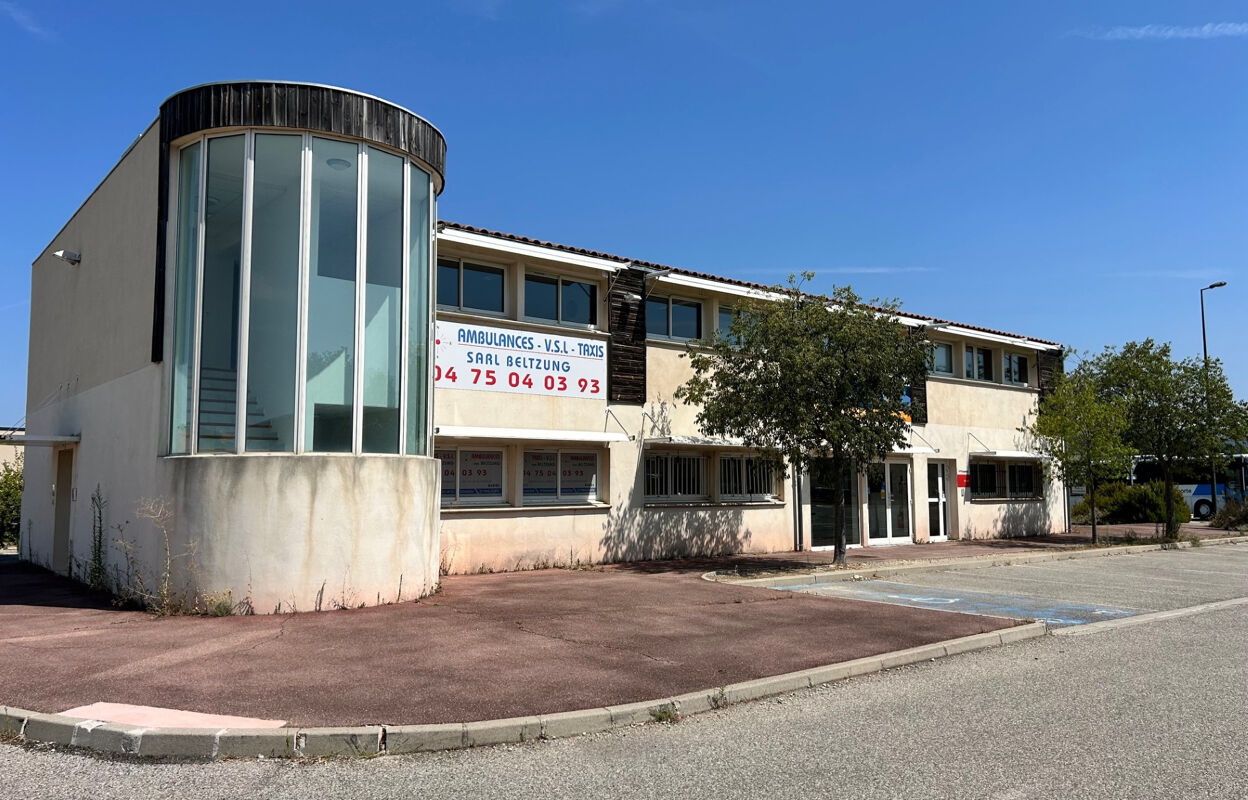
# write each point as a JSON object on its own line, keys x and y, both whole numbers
{"x": 1056, "y": 613}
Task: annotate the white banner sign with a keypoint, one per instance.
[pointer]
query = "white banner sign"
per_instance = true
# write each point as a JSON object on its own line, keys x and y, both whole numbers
{"x": 492, "y": 359}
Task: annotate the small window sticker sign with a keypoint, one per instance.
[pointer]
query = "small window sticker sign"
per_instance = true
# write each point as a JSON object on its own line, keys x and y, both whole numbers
{"x": 496, "y": 359}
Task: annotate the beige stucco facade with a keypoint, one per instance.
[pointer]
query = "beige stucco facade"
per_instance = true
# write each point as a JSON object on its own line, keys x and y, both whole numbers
{"x": 583, "y": 455}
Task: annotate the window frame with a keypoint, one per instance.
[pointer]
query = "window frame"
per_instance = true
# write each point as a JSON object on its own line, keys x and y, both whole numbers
{"x": 1009, "y": 368}
{"x": 176, "y": 443}
{"x": 560, "y": 280}
{"x": 668, "y": 301}
{"x": 931, "y": 359}
{"x": 484, "y": 264}
{"x": 560, "y": 497}
{"x": 745, "y": 496}
{"x": 669, "y": 477}
{"x": 458, "y": 501}
{"x": 982, "y": 360}
{"x": 1003, "y": 471}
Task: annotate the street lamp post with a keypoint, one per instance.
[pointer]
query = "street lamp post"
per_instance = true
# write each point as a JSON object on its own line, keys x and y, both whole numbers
{"x": 1204, "y": 342}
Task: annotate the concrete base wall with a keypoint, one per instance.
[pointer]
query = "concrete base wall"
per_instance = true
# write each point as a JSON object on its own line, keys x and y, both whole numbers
{"x": 297, "y": 533}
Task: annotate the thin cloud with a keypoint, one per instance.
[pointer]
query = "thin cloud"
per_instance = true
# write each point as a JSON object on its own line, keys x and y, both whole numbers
{"x": 24, "y": 21}
{"x": 1210, "y": 30}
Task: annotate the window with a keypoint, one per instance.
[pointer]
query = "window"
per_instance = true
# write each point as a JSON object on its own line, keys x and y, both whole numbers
{"x": 675, "y": 476}
{"x": 464, "y": 286}
{"x": 979, "y": 363}
{"x": 743, "y": 477}
{"x": 560, "y": 476}
{"x": 291, "y": 287}
{"x": 940, "y": 361}
{"x": 669, "y": 318}
{"x": 1015, "y": 369}
{"x": 1005, "y": 480}
{"x": 560, "y": 300}
{"x": 471, "y": 475}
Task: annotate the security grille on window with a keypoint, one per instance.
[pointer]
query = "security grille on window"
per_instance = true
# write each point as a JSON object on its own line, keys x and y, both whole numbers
{"x": 471, "y": 476}
{"x": 672, "y": 476}
{"x": 470, "y": 287}
{"x": 746, "y": 478}
{"x": 1005, "y": 480}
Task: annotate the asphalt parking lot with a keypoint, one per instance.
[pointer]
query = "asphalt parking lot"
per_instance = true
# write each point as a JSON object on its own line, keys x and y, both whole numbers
{"x": 1066, "y": 592}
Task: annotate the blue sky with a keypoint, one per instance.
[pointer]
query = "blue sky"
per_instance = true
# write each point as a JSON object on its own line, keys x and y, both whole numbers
{"x": 1069, "y": 170}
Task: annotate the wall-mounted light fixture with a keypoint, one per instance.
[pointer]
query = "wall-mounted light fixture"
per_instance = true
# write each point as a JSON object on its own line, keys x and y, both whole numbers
{"x": 69, "y": 256}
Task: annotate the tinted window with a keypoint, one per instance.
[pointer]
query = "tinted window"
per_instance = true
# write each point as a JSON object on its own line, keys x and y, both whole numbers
{"x": 580, "y": 302}
{"x": 656, "y": 316}
{"x": 541, "y": 297}
{"x": 686, "y": 319}
{"x": 448, "y": 283}
{"x": 483, "y": 288}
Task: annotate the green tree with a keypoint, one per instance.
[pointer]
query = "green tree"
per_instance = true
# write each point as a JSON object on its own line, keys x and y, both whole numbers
{"x": 807, "y": 377}
{"x": 1175, "y": 410}
{"x": 1082, "y": 434}
{"x": 10, "y": 501}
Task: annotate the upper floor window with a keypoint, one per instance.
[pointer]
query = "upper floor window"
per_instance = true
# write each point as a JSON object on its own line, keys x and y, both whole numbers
{"x": 466, "y": 286}
{"x": 1015, "y": 369}
{"x": 560, "y": 300}
{"x": 979, "y": 363}
{"x": 670, "y": 318}
{"x": 940, "y": 361}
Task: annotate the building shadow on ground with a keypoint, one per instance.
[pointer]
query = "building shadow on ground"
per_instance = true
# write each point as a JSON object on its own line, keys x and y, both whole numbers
{"x": 24, "y": 584}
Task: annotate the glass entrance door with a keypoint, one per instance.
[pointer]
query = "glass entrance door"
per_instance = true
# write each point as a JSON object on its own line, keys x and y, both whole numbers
{"x": 823, "y": 510}
{"x": 937, "y": 503}
{"x": 888, "y": 503}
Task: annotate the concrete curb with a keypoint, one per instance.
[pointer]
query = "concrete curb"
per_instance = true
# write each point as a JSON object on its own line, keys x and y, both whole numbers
{"x": 373, "y": 740}
{"x": 867, "y": 572}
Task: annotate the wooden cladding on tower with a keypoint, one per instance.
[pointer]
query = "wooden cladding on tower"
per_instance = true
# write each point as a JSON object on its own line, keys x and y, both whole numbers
{"x": 626, "y": 316}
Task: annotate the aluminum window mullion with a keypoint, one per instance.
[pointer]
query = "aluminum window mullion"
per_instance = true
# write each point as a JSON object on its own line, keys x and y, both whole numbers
{"x": 405, "y": 296}
{"x": 305, "y": 261}
{"x": 244, "y": 294}
{"x": 431, "y": 312}
{"x": 193, "y": 444}
{"x": 361, "y": 286}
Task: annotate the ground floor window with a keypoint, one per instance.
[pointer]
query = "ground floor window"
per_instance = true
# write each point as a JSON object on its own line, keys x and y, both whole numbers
{"x": 676, "y": 477}
{"x": 560, "y": 476}
{"x": 745, "y": 477}
{"x": 1005, "y": 480}
{"x": 471, "y": 475}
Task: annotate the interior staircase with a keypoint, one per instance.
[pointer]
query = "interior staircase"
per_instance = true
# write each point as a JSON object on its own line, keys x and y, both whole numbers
{"x": 218, "y": 404}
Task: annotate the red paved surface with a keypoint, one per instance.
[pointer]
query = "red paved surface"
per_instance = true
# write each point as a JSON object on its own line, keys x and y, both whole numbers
{"x": 488, "y": 646}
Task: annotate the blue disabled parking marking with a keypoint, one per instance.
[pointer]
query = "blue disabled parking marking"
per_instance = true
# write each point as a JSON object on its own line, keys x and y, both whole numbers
{"x": 1057, "y": 613}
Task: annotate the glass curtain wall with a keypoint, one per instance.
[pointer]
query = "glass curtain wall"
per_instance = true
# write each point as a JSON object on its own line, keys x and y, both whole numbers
{"x": 294, "y": 260}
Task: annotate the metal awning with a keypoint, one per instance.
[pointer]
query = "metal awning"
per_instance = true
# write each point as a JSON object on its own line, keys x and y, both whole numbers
{"x": 692, "y": 441}
{"x": 541, "y": 434}
{"x": 1018, "y": 455}
{"x": 39, "y": 439}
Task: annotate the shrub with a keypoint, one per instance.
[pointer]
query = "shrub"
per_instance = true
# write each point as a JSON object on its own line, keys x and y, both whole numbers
{"x": 1119, "y": 504}
{"x": 1232, "y": 515}
{"x": 10, "y": 501}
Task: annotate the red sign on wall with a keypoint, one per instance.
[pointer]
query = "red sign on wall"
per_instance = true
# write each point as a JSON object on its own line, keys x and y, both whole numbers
{"x": 964, "y": 480}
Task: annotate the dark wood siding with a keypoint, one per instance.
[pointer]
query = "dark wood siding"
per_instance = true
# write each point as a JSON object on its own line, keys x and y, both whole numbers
{"x": 918, "y": 401}
{"x": 626, "y": 354}
{"x": 305, "y": 107}
{"x": 320, "y": 109}
{"x": 1049, "y": 366}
